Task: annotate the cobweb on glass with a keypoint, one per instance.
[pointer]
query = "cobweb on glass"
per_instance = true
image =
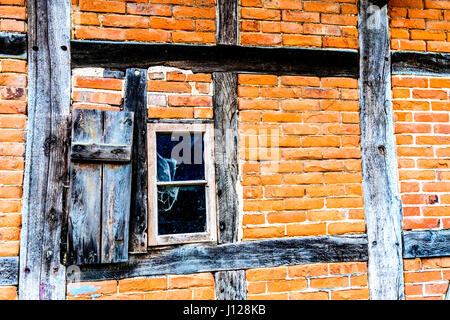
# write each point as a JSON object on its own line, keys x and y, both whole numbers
{"x": 166, "y": 172}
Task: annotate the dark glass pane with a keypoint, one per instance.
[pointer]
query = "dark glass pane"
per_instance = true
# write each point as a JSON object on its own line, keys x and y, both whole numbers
{"x": 180, "y": 156}
{"x": 181, "y": 209}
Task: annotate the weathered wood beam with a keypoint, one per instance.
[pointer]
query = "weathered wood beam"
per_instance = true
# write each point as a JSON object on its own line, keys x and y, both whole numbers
{"x": 236, "y": 256}
{"x": 100, "y": 152}
{"x": 231, "y": 285}
{"x": 227, "y": 22}
{"x": 13, "y": 45}
{"x": 226, "y": 155}
{"x": 421, "y": 63}
{"x": 204, "y": 58}
{"x": 426, "y": 244}
{"x": 41, "y": 274}
{"x": 136, "y": 101}
{"x": 383, "y": 210}
{"x": 9, "y": 271}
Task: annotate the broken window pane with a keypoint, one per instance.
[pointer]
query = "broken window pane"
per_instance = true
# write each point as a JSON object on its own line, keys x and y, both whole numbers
{"x": 181, "y": 209}
{"x": 180, "y": 156}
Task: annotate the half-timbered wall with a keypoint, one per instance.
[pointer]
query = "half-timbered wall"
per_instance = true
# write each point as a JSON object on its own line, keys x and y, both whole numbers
{"x": 300, "y": 167}
{"x": 300, "y": 170}
{"x": 13, "y": 102}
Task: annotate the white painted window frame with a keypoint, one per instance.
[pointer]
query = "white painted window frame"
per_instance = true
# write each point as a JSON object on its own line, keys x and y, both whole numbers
{"x": 211, "y": 213}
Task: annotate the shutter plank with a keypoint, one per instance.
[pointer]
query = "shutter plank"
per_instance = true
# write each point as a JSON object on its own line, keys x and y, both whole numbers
{"x": 118, "y": 130}
{"x": 100, "y": 152}
{"x": 86, "y": 195}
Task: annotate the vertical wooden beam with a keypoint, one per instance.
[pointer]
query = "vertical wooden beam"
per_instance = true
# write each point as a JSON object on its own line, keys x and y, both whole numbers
{"x": 382, "y": 203}
{"x": 230, "y": 285}
{"x": 136, "y": 101}
{"x": 227, "y": 22}
{"x": 41, "y": 275}
{"x": 226, "y": 155}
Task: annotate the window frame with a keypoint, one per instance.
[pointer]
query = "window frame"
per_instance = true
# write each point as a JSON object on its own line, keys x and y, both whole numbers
{"x": 210, "y": 184}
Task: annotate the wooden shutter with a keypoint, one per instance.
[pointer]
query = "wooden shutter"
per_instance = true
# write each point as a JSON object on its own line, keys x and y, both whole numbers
{"x": 100, "y": 186}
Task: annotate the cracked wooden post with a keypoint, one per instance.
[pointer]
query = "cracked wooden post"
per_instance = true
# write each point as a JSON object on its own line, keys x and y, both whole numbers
{"x": 230, "y": 285}
{"x": 383, "y": 209}
{"x": 41, "y": 275}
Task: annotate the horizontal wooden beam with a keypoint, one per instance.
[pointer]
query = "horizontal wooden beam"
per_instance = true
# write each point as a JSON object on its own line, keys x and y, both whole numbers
{"x": 236, "y": 256}
{"x": 232, "y": 58}
{"x": 204, "y": 58}
{"x": 425, "y": 63}
{"x": 13, "y": 45}
{"x": 9, "y": 271}
{"x": 100, "y": 152}
{"x": 426, "y": 243}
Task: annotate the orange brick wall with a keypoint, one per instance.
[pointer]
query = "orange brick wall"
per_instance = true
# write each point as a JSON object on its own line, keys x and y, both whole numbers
{"x": 427, "y": 279}
{"x": 12, "y": 137}
{"x": 91, "y": 90}
{"x": 422, "y": 128}
{"x": 296, "y": 23}
{"x": 300, "y": 156}
{"x": 13, "y": 16}
{"x": 179, "y": 94}
{"x": 421, "y": 108}
{"x": 198, "y": 286}
{"x": 420, "y": 25}
{"x": 175, "y": 21}
{"x": 332, "y": 281}
{"x": 299, "y": 136}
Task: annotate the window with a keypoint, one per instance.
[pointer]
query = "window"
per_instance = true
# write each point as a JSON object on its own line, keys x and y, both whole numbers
{"x": 181, "y": 185}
